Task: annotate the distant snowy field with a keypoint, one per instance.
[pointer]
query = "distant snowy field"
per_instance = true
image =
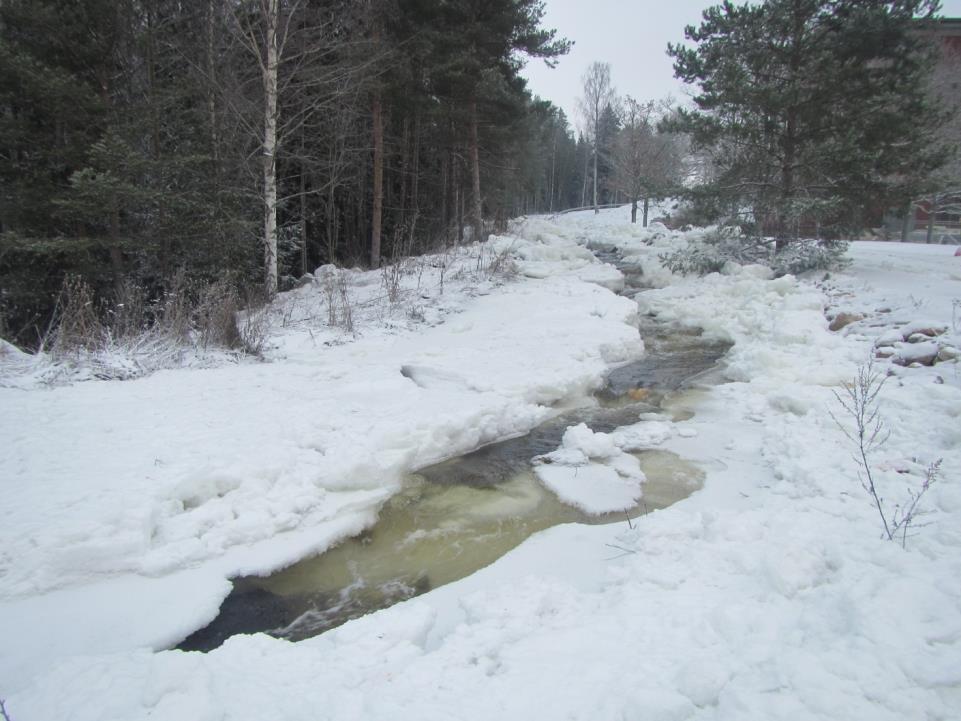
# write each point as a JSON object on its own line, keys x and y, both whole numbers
{"x": 766, "y": 595}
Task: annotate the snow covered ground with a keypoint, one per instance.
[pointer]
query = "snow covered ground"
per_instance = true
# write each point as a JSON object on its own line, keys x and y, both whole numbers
{"x": 767, "y": 594}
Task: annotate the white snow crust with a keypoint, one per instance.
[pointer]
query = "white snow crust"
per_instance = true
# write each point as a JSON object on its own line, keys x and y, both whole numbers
{"x": 591, "y": 472}
{"x": 767, "y": 594}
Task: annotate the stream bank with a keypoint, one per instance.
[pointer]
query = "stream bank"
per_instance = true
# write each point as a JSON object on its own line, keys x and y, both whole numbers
{"x": 455, "y": 517}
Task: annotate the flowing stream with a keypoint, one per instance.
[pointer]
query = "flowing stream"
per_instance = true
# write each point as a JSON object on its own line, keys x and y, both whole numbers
{"x": 458, "y": 516}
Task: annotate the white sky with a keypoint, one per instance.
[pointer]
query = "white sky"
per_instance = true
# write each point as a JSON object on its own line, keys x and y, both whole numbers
{"x": 631, "y": 35}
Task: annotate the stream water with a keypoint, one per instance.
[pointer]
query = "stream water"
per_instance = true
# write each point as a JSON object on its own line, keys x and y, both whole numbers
{"x": 458, "y": 516}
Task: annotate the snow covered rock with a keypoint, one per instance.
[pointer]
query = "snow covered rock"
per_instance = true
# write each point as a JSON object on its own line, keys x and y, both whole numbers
{"x": 928, "y": 328}
{"x": 844, "y": 319}
{"x": 948, "y": 353}
{"x": 888, "y": 338}
{"x": 923, "y": 353}
{"x": 591, "y": 472}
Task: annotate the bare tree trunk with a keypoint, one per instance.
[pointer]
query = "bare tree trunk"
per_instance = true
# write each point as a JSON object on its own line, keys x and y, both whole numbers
{"x": 213, "y": 118}
{"x": 932, "y": 211}
{"x": 587, "y": 160}
{"x": 446, "y": 193}
{"x": 115, "y": 251}
{"x": 378, "y": 199}
{"x": 460, "y": 211}
{"x": 646, "y": 206}
{"x": 303, "y": 219}
{"x": 211, "y": 81}
{"x": 116, "y": 254}
{"x": 331, "y": 209}
{"x": 634, "y": 210}
{"x": 477, "y": 219}
{"x": 270, "y": 151}
{"x": 787, "y": 219}
{"x": 415, "y": 180}
{"x": 553, "y": 166}
{"x": 784, "y": 233}
{"x": 596, "y": 209}
{"x": 155, "y": 149}
{"x": 401, "y": 205}
{"x": 361, "y": 229}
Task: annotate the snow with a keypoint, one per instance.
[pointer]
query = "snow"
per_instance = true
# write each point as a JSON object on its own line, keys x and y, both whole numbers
{"x": 589, "y": 471}
{"x": 246, "y": 468}
{"x": 766, "y": 594}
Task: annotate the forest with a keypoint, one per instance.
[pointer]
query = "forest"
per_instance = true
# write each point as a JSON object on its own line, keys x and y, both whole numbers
{"x": 156, "y": 153}
{"x": 154, "y": 143}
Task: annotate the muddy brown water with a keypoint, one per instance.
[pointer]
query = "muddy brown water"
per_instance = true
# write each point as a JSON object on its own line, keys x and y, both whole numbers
{"x": 456, "y": 517}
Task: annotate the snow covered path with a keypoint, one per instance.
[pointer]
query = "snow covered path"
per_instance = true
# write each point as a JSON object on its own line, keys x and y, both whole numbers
{"x": 766, "y": 595}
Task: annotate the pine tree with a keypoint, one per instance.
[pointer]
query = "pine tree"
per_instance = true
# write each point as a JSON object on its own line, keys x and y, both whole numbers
{"x": 139, "y": 138}
{"x": 814, "y": 110}
{"x": 483, "y": 39}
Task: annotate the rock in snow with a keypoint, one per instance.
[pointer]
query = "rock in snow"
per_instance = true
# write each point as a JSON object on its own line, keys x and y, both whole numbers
{"x": 844, "y": 319}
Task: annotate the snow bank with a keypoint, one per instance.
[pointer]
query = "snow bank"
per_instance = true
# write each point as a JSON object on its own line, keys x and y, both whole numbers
{"x": 590, "y": 472}
{"x": 547, "y": 250}
{"x": 594, "y": 472}
{"x": 766, "y": 595}
{"x": 245, "y": 469}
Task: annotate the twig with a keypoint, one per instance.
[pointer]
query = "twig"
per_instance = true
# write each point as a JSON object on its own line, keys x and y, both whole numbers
{"x": 860, "y": 401}
{"x": 624, "y": 551}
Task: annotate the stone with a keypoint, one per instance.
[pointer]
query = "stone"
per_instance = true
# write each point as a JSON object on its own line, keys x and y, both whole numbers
{"x": 948, "y": 353}
{"x": 888, "y": 338}
{"x": 924, "y": 354}
{"x": 843, "y": 319}
{"x": 928, "y": 328}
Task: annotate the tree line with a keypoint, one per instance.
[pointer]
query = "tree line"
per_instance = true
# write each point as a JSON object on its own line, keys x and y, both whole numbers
{"x": 249, "y": 141}
{"x": 259, "y": 139}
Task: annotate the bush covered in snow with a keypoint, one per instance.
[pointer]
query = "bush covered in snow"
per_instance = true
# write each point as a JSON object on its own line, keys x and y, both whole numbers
{"x": 710, "y": 251}
{"x": 806, "y": 254}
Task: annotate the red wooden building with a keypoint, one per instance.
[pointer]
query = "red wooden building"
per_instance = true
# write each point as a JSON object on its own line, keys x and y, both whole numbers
{"x": 938, "y": 219}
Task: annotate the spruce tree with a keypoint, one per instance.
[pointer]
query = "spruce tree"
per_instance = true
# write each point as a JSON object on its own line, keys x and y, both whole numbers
{"x": 814, "y": 110}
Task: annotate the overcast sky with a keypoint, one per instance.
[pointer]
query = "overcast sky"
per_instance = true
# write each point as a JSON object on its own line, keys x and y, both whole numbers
{"x": 631, "y": 35}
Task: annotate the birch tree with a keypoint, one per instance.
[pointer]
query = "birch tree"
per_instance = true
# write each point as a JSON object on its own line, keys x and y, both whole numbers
{"x": 264, "y": 34}
{"x": 598, "y": 94}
